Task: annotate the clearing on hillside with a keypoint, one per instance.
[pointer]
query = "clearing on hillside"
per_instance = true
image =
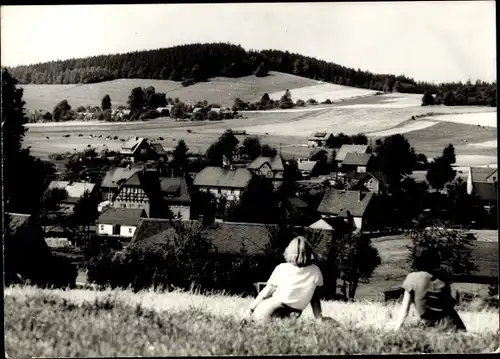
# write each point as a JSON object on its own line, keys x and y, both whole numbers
{"x": 219, "y": 90}
{"x": 324, "y": 91}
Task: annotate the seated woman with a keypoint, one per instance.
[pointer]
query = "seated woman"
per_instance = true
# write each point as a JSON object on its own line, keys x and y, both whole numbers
{"x": 430, "y": 294}
{"x": 292, "y": 285}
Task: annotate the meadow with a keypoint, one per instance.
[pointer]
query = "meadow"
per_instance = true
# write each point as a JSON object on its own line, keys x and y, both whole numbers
{"x": 355, "y": 110}
{"x": 286, "y": 129}
{"x": 218, "y": 90}
{"x": 154, "y": 323}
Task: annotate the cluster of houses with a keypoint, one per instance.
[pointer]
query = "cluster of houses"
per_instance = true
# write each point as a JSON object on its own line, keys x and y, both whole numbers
{"x": 129, "y": 195}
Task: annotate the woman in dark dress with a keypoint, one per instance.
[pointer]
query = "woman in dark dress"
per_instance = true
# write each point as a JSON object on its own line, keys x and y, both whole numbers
{"x": 430, "y": 294}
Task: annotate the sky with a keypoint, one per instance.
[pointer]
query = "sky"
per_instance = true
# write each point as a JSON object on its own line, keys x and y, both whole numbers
{"x": 428, "y": 41}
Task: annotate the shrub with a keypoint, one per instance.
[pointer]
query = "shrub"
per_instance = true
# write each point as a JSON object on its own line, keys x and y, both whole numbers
{"x": 300, "y": 103}
{"x": 185, "y": 260}
{"x": 312, "y": 101}
{"x": 149, "y": 115}
{"x": 453, "y": 246}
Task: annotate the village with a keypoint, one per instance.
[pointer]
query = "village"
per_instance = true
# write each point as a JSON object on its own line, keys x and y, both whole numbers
{"x": 143, "y": 188}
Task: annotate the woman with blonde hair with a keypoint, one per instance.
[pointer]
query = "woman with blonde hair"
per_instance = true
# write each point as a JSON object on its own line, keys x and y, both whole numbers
{"x": 292, "y": 285}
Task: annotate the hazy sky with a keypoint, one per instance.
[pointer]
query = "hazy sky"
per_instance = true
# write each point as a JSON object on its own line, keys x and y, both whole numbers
{"x": 429, "y": 41}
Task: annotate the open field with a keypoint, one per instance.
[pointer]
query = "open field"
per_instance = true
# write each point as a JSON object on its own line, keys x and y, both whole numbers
{"x": 325, "y": 91}
{"x": 152, "y": 323}
{"x": 288, "y": 129}
{"x": 374, "y": 115}
{"x": 218, "y": 90}
{"x": 392, "y": 100}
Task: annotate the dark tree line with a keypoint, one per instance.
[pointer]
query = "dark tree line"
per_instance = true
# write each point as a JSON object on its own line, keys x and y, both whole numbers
{"x": 193, "y": 63}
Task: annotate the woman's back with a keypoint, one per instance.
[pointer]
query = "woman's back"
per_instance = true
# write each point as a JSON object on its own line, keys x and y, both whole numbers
{"x": 295, "y": 285}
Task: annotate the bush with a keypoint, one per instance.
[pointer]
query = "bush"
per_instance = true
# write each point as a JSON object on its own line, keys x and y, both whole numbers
{"x": 149, "y": 115}
{"x": 186, "y": 262}
{"x": 300, "y": 103}
{"x": 312, "y": 101}
{"x": 453, "y": 246}
{"x": 164, "y": 113}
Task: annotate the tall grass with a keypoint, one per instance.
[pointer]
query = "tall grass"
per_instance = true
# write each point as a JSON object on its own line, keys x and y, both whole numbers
{"x": 110, "y": 323}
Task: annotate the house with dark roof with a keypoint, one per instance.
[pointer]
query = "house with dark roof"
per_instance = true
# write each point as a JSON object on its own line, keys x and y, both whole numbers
{"x": 140, "y": 149}
{"x": 375, "y": 182}
{"x": 176, "y": 196}
{"x": 319, "y": 139}
{"x": 358, "y": 162}
{"x": 306, "y": 167}
{"x": 483, "y": 182}
{"x": 119, "y": 222}
{"x": 227, "y": 182}
{"x": 345, "y": 149}
{"x": 269, "y": 167}
{"x": 345, "y": 204}
{"x": 227, "y": 237}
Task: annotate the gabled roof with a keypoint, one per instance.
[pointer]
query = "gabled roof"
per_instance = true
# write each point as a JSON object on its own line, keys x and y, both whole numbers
{"x": 307, "y": 166}
{"x": 317, "y": 136}
{"x": 158, "y": 148}
{"x": 485, "y": 190}
{"x": 345, "y": 149}
{"x": 131, "y": 144}
{"x": 483, "y": 174}
{"x": 223, "y": 177}
{"x": 227, "y": 237}
{"x": 297, "y": 203}
{"x": 118, "y": 173}
{"x": 357, "y": 159}
{"x": 337, "y": 202}
{"x": 75, "y": 189}
{"x": 121, "y": 216}
{"x": 276, "y": 163}
{"x": 378, "y": 176}
{"x": 175, "y": 190}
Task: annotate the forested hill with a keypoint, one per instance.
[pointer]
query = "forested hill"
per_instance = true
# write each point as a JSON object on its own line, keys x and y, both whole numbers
{"x": 199, "y": 62}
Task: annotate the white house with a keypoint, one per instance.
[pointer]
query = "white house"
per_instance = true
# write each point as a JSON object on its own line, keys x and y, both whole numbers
{"x": 119, "y": 222}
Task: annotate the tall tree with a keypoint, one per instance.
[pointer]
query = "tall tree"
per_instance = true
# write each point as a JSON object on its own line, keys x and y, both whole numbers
{"x": 251, "y": 147}
{"x": 136, "y": 100}
{"x": 449, "y": 154}
{"x": 439, "y": 173}
{"x": 286, "y": 100}
{"x": 180, "y": 160}
{"x": 24, "y": 177}
{"x": 85, "y": 213}
{"x": 106, "y": 102}
{"x": 62, "y": 112}
{"x": 396, "y": 157}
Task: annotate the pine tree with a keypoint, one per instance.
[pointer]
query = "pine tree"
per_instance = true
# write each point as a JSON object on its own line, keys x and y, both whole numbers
{"x": 106, "y": 102}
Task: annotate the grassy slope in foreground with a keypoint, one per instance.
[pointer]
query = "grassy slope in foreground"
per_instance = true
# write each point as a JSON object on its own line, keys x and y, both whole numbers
{"x": 219, "y": 90}
{"x": 73, "y": 323}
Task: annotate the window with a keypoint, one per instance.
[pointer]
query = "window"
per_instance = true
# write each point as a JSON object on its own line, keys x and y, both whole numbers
{"x": 130, "y": 230}
{"x": 124, "y": 205}
{"x": 102, "y": 227}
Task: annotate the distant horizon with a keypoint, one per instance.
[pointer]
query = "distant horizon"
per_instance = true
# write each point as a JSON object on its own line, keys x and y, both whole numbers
{"x": 432, "y": 42}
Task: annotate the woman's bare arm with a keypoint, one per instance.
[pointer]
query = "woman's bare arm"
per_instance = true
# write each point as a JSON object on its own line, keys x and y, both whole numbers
{"x": 405, "y": 307}
{"x": 316, "y": 305}
{"x": 265, "y": 293}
